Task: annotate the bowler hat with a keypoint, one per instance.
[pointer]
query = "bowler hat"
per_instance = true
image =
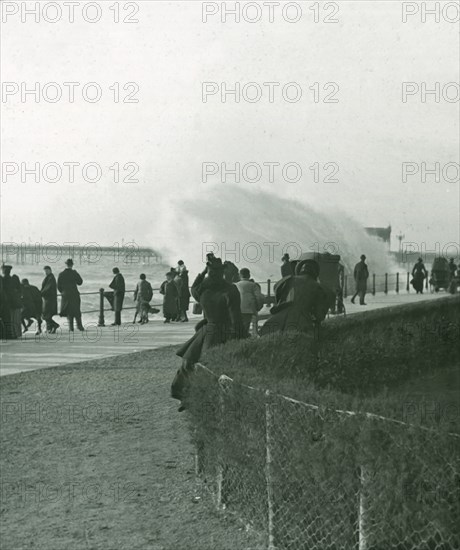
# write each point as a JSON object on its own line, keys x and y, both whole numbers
{"x": 69, "y": 262}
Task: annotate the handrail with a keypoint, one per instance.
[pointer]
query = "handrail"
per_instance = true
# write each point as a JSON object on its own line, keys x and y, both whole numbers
{"x": 382, "y": 286}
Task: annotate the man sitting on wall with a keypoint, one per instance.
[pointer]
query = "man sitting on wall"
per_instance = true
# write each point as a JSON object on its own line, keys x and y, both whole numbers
{"x": 301, "y": 302}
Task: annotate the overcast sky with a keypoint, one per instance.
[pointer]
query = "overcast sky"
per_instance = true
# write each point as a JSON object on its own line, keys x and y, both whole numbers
{"x": 170, "y": 132}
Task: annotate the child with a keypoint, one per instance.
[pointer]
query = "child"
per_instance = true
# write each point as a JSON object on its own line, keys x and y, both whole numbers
{"x": 170, "y": 296}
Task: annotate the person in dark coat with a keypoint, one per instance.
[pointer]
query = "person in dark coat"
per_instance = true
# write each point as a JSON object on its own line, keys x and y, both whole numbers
{"x": 419, "y": 274}
{"x": 68, "y": 282}
{"x": 170, "y": 293}
{"x": 49, "y": 300}
{"x": 13, "y": 303}
{"x": 361, "y": 274}
{"x": 222, "y": 321}
{"x": 452, "y": 268}
{"x": 184, "y": 291}
{"x": 231, "y": 272}
{"x": 31, "y": 306}
{"x": 286, "y": 266}
{"x": 301, "y": 302}
{"x": 118, "y": 295}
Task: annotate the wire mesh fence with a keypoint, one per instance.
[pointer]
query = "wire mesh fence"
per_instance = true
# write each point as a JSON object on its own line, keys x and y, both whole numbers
{"x": 308, "y": 478}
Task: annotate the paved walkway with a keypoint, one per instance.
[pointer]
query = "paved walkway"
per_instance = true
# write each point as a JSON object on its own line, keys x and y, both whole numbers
{"x": 38, "y": 352}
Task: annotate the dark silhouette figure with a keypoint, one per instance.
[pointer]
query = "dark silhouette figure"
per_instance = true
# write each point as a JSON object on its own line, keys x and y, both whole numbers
{"x": 361, "y": 274}
{"x": 419, "y": 274}
{"x": 222, "y": 321}
{"x": 49, "y": 300}
{"x": 31, "y": 306}
{"x": 301, "y": 302}
{"x": 118, "y": 295}
{"x": 12, "y": 305}
{"x": 170, "y": 292}
{"x": 68, "y": 282}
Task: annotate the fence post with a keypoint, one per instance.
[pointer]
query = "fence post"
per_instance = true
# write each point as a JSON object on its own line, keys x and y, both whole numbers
{"x": 386, "y": 284}
{"x": 373, "y": 284}
{"x": 362, "y": 510}
{"x": 269, "y": 288}
{"x": 220, "y": 469}
{"x": 407, "y": 282}
{"x": 345, "y": 286}
{"x": 101, "y": 321}
{"x": 268, "y": 470}
{"x": 397, "y": 283}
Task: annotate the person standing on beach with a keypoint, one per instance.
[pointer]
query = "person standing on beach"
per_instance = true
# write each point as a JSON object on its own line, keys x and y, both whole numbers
{"x": 118, "y": 287}
{"x": 419, "y": 274}
{"x": 142, "y": 295}
{"x": 170, "y": 292}
{"x": 13, "y": 305}
{"x": 361, "y": 274}
{"x": 184, "y": 291}
{"x": 68, "y": 282}
{"x": 49, "y": 299}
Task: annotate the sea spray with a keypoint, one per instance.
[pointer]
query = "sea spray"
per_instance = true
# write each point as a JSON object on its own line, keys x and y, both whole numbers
{"x": 254, "y": 228}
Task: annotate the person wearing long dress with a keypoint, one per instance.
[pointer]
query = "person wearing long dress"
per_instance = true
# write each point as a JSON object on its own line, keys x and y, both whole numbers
{"x": 170, "y": 293}
{"x": 419, "y": 274}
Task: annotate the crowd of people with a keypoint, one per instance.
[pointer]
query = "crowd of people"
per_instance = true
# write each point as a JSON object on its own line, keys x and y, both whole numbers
{"x": 22, "y": 303}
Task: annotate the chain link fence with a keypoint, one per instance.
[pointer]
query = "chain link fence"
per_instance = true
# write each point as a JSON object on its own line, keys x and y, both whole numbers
{"x": 311, "y": 478}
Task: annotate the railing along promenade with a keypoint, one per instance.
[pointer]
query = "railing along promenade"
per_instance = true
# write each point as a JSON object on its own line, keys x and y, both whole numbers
{"x": 378, "y": 283}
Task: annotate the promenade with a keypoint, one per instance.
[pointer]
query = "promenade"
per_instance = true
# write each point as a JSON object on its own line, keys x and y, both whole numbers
{"x": 39, "y": 352}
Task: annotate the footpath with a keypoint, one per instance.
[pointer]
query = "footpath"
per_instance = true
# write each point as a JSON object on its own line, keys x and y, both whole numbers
{"x": 38, "y": 352}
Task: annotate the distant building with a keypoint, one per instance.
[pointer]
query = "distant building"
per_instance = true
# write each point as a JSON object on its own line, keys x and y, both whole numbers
{"x": 382, "y": 233}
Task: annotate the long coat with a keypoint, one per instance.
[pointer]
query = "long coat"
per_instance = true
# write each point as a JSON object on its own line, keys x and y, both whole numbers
{"x": 67, "y": 283}
{"x": 184, "y": 291}
{"x": 32, "y": 302}
{"x": 118, "y": 286}
{"x": 170, "y": 299}
{"x": 49, "y": 296}
{"x": 361, "y": 274}
{"x": 12, "y": 291}
{"x": 221, "y": 305}
{"x": 304, "y": 305}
